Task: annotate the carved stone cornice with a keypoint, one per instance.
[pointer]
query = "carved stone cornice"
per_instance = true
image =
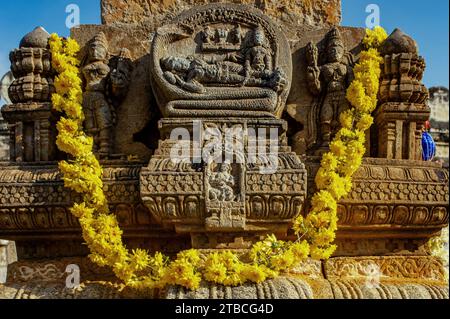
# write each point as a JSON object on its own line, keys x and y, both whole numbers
{"x": 394, "y": 206}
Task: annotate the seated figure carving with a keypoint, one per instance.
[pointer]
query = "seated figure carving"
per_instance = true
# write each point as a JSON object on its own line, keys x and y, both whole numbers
{"x": 221, "y": 184}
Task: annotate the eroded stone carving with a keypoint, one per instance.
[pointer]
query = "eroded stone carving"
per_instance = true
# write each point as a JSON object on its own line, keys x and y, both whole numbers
{"x": 229, "y": 66}
{"x": 329, "y": 82}
{"x": 31, "y": 67}
{"x": 411, "y": 196}
{"x": 105, "y": 89}
{"x": 403, "y": 70}
{"x": 233, "y": 63}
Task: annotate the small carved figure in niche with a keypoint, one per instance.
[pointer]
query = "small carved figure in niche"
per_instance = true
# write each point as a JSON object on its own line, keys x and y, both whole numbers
{"x": 258, "y": 59}
{"x": 208, "y": 35}
{"x": 222, "y": 35}
{"x": 236, "y": 35}
{"x": 98, "y": 112}
{"x": 329, "y": 82}
{"x": 106, "y": 86}
{"x": 221, "y": 183}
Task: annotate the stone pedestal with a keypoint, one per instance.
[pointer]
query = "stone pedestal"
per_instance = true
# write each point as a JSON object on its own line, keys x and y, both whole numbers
{"x": 256, "y": 188}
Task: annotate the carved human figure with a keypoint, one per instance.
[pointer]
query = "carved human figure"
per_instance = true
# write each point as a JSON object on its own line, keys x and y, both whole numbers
{"x": 221, "y": 184}
{"x": 208, "y": 35}
{"x": 189, "y": 73}
{"x": 120, "y": 76}
{"x": 107, "y": 82}
{"x": 329, "y": 82}
{"x": 251, "y": 66}
{"x": 236, "y": 35}
{"x": 98, "y": 112}
{"x": 258, "y": 59}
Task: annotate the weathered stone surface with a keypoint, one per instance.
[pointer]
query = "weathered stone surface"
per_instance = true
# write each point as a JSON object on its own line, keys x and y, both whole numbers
{"x": 42, "y": 207}
{"x": 38, "y": 38}
{"x": 138, "y": 115}
{"x": 345, "y": 278}
{"x": 135, "y": 131}
{"x": 228, "y": 65}
{"x": 282, "y": 288}
{"x": 291, "y": 12}
{"x": 303, "y": 107}
{"x": 107, "y": 80}
{"x": 399, "y": 42}
{"x": 393, "y": 267}
{"x": 89, "y": 290}
{"x": 8, "y": 256}
{"x": 388, "y": 195}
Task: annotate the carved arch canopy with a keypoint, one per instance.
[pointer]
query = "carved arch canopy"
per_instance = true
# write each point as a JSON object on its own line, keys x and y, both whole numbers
{"x": 221, "y": 60}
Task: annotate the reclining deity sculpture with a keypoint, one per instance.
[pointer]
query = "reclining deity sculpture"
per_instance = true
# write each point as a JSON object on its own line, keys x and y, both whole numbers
{"x": 193, "y": 72}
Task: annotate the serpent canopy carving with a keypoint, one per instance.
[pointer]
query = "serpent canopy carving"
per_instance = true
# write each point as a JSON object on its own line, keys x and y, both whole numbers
{"x": 221, "y": 60}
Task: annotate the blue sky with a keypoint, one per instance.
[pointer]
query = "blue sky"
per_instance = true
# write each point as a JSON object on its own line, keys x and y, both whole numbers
{"x": 427, "y": 22}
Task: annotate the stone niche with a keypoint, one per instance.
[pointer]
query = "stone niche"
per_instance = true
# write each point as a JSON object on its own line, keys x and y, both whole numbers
{"x": 200, "y": 69}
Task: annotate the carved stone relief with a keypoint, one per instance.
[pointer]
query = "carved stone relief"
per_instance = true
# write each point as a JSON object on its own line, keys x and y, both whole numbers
{"x": 106, "y": 85}
{"x": 328, "y": 82}
{"x": 220, "y": 60}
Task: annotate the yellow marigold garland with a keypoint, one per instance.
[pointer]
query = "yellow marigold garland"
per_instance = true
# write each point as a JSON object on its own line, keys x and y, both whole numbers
{"x": 83, "y": 174}
{"x": 334, "y": 177}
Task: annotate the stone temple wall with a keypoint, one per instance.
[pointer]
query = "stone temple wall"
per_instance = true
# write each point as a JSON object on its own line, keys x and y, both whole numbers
{"x": 397, "y": 203}
{"x": 289, "y": 12}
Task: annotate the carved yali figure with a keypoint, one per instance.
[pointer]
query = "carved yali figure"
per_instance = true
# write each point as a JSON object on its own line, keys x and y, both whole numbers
{"x": 104, "y": 90}
{"x": 221, "y": 60}
{"x": 329, "y": 82}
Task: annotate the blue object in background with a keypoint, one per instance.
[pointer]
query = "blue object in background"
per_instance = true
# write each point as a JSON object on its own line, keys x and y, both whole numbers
{"x": 428, "y": 147}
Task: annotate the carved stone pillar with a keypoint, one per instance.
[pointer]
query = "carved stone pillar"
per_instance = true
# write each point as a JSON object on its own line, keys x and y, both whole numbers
{"x": 29, "y": 117}
{"x": 402, "y": 111}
